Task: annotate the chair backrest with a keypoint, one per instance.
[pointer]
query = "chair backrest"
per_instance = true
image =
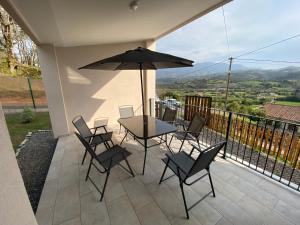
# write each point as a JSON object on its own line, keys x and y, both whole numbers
{"x": 205, "y": 158}
{"x": 86, "y": 145}
{"x": 81, "y": 127}
{"x": 126, "y": 111}
{"x": 169, "y": 115}
{"x": 196, "y": 125}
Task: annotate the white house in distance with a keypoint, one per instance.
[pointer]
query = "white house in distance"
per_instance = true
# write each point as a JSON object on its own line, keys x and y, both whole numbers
{"x": 73, "y": 33}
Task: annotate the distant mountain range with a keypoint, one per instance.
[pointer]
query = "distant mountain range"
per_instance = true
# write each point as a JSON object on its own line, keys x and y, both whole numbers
{"x": 209, "y": 70}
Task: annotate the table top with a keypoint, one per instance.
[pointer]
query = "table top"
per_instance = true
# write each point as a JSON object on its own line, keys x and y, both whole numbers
{"x": 146, "y": 127}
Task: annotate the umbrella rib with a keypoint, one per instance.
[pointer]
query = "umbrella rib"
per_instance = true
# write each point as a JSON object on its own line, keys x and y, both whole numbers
{"x": 117, "y": 68}
{"x": 153, "y": 66}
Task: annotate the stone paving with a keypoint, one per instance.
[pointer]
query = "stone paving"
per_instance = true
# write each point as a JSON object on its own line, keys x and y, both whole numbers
{"x": 242, "y": 196}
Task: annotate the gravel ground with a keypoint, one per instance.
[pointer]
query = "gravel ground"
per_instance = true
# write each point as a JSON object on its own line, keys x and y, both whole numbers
{"x": 34, "y": 160}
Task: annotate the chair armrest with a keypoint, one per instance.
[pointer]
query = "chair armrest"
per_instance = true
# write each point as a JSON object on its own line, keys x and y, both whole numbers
{"x": 98, "y": 127}
{"x": 195, "y": 147}
{"x": 180, "y": 123}
{"x": 188, "y": 133}
{"x": 95, "y": 135}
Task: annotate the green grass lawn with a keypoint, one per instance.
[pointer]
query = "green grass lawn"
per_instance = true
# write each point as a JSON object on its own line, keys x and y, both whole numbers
{"x": 287, "y": 103}
{"x": 18, "y": 130}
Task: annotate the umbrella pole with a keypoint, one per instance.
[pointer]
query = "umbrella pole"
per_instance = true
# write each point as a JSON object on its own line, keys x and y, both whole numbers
{"x": 141, "y": 75}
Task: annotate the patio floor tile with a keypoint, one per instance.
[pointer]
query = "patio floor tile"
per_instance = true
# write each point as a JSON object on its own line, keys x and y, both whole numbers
{"x": 242, "y": 196}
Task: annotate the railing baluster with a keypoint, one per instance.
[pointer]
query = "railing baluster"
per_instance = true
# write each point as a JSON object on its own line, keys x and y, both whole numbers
{"x": 217, "y": 127}
{"x": 241, "y": 135}
{"x": 294, "y": 167}
{"x": 249, "y": 125}
{"x": 279, "y": 149}
{"x": 212, "y": 127}
{"x": 234, "y": 131}
{"x": 261, "y": 143}
{"x": 270, "y": 146}
{"x": 227, "y": 132}
{"x": 257, "y": 123}
{"x": 289, "y": 149}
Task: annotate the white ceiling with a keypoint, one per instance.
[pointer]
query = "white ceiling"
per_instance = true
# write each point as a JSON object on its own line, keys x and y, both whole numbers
{"x": 88, "y": 22}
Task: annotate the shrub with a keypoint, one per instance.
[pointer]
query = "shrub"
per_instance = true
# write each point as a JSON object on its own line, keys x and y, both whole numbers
{"x": 27, "y": 115}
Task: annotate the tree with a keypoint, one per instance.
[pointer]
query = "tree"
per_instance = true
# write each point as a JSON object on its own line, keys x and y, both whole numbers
{"x": 171, "y": 94}
{"x": 20, "y": 51}
{"x": 26, "y": 52}
{"x": 233, "y": 106}
{"x": 7, "y": 37}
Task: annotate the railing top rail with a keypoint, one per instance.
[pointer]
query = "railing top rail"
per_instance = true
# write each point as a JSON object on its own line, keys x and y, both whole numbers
{"x": 244, "y": 114}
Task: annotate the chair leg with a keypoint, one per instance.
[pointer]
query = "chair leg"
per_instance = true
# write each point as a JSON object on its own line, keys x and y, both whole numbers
{"x": 211, "y": 184}
{"x": 88, "y": 172}
{"x": 84, "y": 157}
{"x": 112, "y": 142}
{"x": 163, "y": 174}
{"x": 181, "y": 145}
{"x": 183, "y": 196}
{"x": 129, "y": 167}
{"x": 126, "y": 135}
{"x": 198, "y": 142}
{"x": 171, "y": 140}
{"x": 106, "y": 145}
{"x": 105, "y": 183}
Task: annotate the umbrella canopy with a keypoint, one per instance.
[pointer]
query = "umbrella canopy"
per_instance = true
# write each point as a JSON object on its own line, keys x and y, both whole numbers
{"x": 139, "y": 59}
{"x": 133, "y": 59}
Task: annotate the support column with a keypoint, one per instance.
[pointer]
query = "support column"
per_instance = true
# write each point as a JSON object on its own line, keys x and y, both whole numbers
{"x": 53, "y": 88}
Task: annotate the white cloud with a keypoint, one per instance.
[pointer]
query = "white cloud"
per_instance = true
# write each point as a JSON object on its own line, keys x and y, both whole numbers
{"x": 251, "y": 25}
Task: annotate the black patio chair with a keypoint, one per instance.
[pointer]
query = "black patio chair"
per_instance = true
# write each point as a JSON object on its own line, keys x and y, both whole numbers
{"x": 126, "y": 111}
{"x": 185, "y": 166}
{"x": 192, "y": 133}
{"x": 107, "y": 160}
{"x": 92, "y": 138}
{"x": 169, "y": 116}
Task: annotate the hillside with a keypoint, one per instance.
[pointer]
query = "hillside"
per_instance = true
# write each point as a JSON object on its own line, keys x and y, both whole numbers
{"x": 199, "y": 69}
{"x": 219, "y": 71}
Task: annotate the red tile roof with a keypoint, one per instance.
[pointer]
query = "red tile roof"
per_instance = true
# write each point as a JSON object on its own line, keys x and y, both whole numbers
{"x": 284, "y": 112}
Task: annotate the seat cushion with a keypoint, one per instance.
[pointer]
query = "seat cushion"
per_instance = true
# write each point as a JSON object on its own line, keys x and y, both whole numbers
{"x": 182, "y": 160}
{"x": 100, "y": 138}
{"x": 115, "y": 154}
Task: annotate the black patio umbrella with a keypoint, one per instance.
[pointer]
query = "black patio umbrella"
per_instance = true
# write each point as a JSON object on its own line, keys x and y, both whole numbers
{"x": 139, "y": 59}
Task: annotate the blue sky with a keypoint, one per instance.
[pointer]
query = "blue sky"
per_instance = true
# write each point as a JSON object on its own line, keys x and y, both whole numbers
{"x": 251, "y": 24}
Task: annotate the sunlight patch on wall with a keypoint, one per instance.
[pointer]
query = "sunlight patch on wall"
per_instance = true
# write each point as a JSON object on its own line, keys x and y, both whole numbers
{"x": 76, "y": 78}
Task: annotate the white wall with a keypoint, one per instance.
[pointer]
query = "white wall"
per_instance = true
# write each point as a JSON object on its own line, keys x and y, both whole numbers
{"x": 15, "y": 208}
{"x": 52, "y": 83}
{"x": 91, "y": 93}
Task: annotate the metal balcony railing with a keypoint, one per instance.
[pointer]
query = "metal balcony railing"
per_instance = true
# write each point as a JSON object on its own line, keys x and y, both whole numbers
{"x": 270, "y": 147}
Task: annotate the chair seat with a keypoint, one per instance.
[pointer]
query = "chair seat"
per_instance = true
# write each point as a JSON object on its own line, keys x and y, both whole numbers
{"x": 180, "y": 135}
{"x": 99, "y": 138}
{"x": 183, "y": 161}
{"x": 117, "y": 153}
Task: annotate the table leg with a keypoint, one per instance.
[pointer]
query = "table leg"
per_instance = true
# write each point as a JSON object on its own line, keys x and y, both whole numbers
{"x": 126, "y": 133}
{"x": 146, "y": 148}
